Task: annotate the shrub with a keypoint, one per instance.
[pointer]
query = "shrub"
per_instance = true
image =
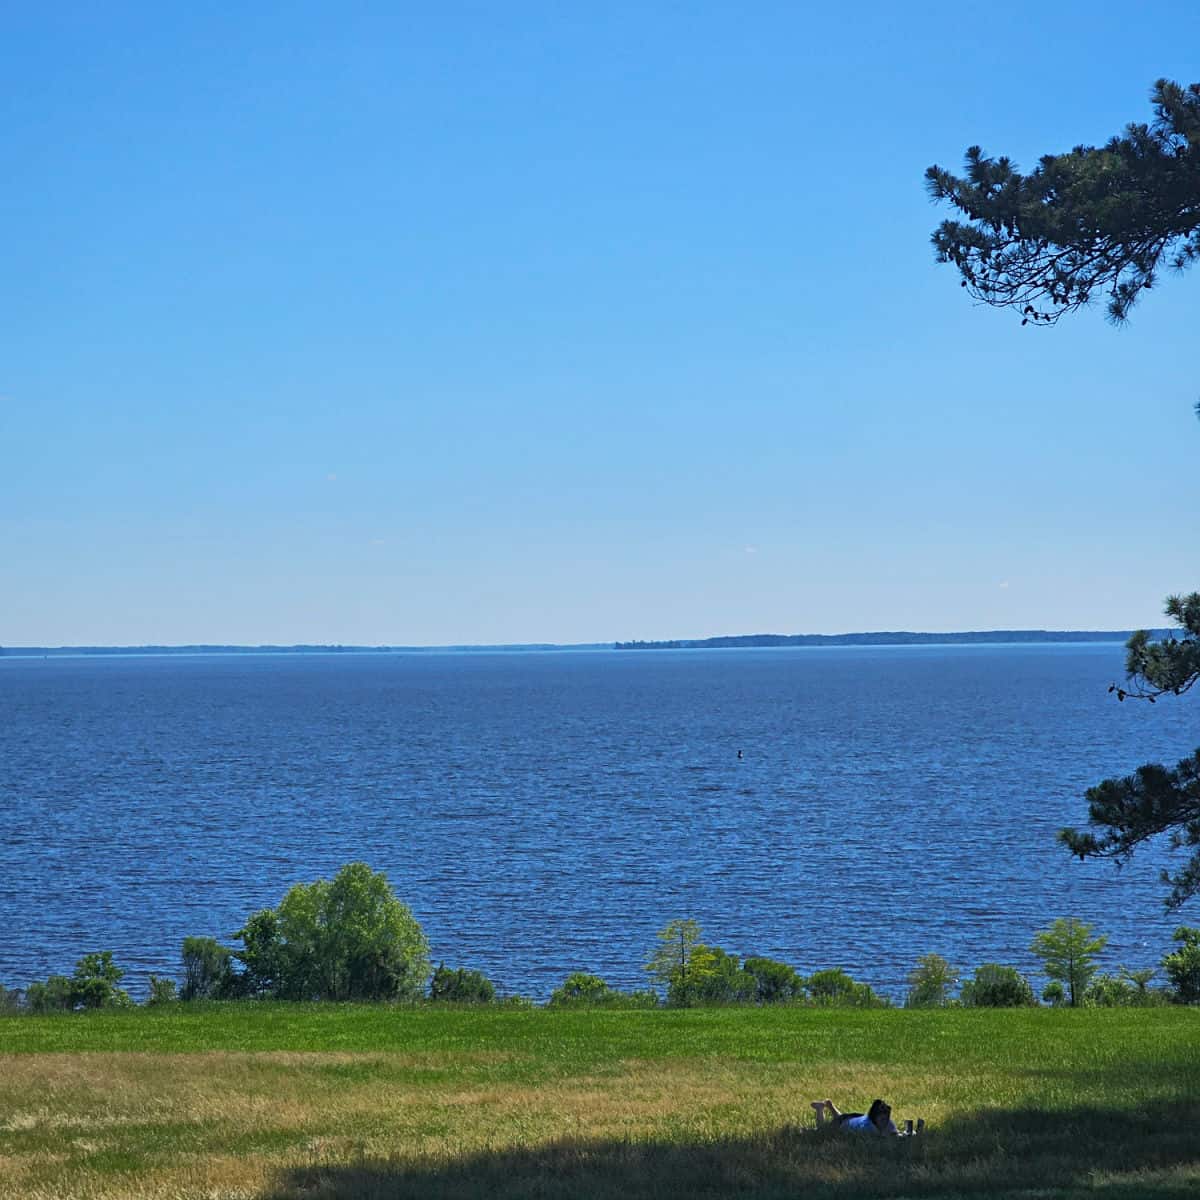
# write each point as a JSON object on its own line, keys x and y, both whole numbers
{"x": 714, "y": 977}
{"x": 1128, "y": 989}
{"x": 92, "y": 985}
{"x": 1141, "y": 993}
{"x": 162, "y": 991}
{"x": 930, "y": 982}
{"x": 996, "y": 986}
{"x": 833, "y": 987}
{"x": 207, "y": 970}
{"x": 1054, "y": 994}
{"x": 461, "y": 986}
{"x": 776, "y": 982}
{"x": 523, "y": 1003}
{"x": 638, "y": 998}
{"x": 581, "y": 990}
{"x": 1183, "y": 965}
{"x": 53, "y": 995}
{"x": 1108, "y": 991}
{"x": 10, "y": 1000}
{"x": 265, "y": 958}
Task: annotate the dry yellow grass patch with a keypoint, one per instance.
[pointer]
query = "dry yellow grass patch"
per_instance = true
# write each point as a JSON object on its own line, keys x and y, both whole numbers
{"x": 133, "y": 1125}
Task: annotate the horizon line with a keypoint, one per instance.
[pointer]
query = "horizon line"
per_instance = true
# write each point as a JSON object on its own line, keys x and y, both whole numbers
{"x": 617, "y": 643}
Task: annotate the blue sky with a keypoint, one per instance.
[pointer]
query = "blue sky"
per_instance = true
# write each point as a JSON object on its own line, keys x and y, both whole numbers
{"x": 502, "y": 323}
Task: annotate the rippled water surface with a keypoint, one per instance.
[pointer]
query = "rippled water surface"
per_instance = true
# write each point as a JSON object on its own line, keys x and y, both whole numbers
{"x": 546, "y": 812}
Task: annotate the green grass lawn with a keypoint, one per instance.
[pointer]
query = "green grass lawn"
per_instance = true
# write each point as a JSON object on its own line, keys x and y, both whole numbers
{"x": 327, "y": 1101}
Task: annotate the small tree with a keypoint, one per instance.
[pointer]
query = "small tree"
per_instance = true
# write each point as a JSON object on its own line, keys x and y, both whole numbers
{"x": 930, "y": 982}
{"x": 1053, "y": 994}
{"x": 51, "y": 995}
{"x": 207, "y": 969}
{"x": 581, "y": 990}
{"x": 836, "y": 988}
{"x": 10, "y": 1000}
{"x": 266, "y": 960}
{"x": 162, "y": 991}
{"x": 94, "y": 983}
{"x": 1183, "y": 965}
{"x": 1069, "y": 951}
{"x": 714, "y": 977}
{"x": 777, "y": 983}
{"x": 996, "y": 986}
{"x": 461, "y": 986}
{"x": 671, "y": 959}
{"x": 1108, "y": 991}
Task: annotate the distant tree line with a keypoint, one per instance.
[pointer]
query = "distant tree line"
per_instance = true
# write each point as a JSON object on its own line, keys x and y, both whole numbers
{"x": 351, "y": 939}
{"x": 899, "y": 638}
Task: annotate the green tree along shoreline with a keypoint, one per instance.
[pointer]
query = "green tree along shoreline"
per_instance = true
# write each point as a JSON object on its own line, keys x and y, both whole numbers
{"x": 351, "y": 939}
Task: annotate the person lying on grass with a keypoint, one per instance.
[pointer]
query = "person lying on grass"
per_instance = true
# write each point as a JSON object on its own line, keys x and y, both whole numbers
{"x": 877, "y": 1119}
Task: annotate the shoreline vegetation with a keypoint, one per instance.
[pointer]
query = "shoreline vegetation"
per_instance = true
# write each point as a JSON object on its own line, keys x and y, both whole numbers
{"x": 749, "y": 640}
{"x": 351, "y": 939}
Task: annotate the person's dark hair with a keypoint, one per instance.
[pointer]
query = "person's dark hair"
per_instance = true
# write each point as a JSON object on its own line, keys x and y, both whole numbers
{"x": 879, "y": 1113}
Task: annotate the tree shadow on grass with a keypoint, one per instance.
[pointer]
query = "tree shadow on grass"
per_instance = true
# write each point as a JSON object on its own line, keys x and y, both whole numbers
{"x": 1151, "y": 1154}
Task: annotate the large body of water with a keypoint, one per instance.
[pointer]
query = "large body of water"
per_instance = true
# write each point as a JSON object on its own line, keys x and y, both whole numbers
{"x": 548, "y": 812}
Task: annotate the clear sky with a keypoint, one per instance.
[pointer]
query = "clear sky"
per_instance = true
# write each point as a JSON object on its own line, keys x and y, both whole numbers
{"x": 383, "y": 323}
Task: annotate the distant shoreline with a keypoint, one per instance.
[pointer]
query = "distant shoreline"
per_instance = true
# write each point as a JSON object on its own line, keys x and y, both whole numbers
{"x": 897, "y": 638}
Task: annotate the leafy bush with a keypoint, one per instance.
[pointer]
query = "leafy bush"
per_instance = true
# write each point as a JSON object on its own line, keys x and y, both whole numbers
{"x": 930, "y": 982}
{"x": 1183, "y": 965}
{"x": 996, "y": 986}
{"x": 714, "y": 977}
{"x": 694, "y": 973}
{"x": 1141, "y": 994}
{"x": 523, "y": 1003}
{"x": 162, "y": 991}
{"x": 834, "y": 988}
{"x": 1108, "y": 991}
{"x": 1054, "y": 994}
{"x": 581, "y": 990}
{"x": 777, "y": 983}
{"x": 52, "y": 995}
{"x": 265, "y": 959}
{"x": 461, "y": 986}
{"x": 10, "y": 1000}
{"x": 1127, "y": 990}
{"x": 207, "y": 970}
{"x": 94, "y": 983}
{"x": 639, "y": 998}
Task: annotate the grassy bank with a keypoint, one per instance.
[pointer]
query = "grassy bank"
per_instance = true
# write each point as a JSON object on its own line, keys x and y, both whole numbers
{"x": 325, "y": 1102}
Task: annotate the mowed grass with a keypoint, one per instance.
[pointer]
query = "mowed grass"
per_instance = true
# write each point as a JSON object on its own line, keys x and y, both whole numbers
{"x": 330, "y": 1102}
